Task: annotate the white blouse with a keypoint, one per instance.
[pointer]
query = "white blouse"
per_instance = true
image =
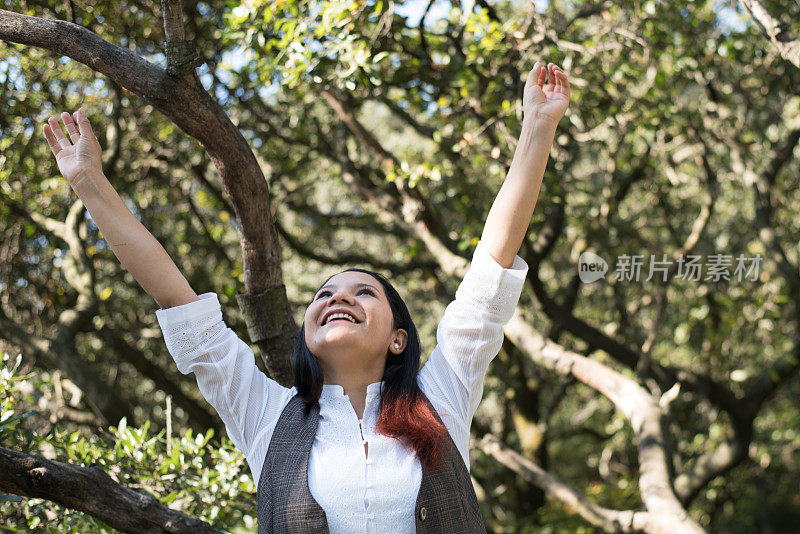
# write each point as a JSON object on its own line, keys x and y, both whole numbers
{"x": 360, "y": 494}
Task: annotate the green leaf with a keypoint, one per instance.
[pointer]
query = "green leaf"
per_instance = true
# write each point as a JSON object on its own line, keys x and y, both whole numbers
{"x": 17, "y": 417}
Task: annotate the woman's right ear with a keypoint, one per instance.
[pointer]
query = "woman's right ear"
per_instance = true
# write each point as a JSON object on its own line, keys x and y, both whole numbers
{"x": 399, "y": 342}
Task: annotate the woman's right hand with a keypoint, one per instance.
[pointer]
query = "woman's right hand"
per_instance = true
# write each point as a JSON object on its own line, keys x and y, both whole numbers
{"x": 81, "y": 153}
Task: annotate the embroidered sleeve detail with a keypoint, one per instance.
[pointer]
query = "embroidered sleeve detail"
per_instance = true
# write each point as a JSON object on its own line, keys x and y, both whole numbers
{"x": 491, "y": 288}
{"x": 190, "y": 327}
{"x": 247, "y": 400}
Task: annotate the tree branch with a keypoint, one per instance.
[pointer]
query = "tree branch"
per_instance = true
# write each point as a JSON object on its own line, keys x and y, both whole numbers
{"x": 352, "y": 258}
{"x": 639, "y": 407}
{"x": 788, "y": 46}
{"x": 744, "y": 409}
{"x": 609, "y": 520}
{"x": 91, "y": 490}
{"x": 416, "y": 211}
{"x": 184, "y": 100}
{"x": 712, "y": 464}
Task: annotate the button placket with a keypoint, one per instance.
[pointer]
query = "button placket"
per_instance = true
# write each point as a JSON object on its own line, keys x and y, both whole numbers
{"x": 363, "y": 428}
{"x": 370, "y": 475}
{"x": 367, "y": 478}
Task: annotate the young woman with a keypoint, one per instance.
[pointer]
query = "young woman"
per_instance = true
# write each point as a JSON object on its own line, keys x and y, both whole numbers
{"x": 364, "y": 441}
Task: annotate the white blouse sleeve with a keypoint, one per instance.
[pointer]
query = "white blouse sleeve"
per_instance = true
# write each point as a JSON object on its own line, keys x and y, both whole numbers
{"x": 247, "y": 400}
{"x": 468, "y": 337}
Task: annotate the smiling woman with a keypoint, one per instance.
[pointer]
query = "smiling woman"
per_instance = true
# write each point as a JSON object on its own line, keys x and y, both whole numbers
{"x": 354, "y": 355}
{"x": 365, "y": 440}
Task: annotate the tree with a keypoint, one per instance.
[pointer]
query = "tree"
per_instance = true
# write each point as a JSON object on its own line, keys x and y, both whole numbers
{"x": 401, "y": 155}
{"x": 787, "y": 45}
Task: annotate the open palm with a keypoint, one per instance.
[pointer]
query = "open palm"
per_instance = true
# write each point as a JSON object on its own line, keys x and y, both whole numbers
{"x": 546, "y": 102}
{"x": 78, "y": 154}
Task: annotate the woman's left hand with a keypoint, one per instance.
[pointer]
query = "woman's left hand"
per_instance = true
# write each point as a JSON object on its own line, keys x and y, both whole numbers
{"x": 545, "y": 103}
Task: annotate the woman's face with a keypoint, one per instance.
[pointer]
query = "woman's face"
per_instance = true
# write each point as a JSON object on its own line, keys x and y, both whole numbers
{"x": 344, "y": 346}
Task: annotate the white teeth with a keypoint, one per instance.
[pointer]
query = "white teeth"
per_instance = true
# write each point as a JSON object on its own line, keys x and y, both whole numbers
{"x": 340, "y": 316}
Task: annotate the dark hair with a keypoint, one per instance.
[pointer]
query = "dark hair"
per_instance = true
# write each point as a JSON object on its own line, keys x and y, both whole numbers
{"x": 402, "y": 413}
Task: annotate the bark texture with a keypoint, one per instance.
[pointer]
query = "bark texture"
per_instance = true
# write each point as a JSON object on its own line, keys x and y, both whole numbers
{"x": 92, "y": 491}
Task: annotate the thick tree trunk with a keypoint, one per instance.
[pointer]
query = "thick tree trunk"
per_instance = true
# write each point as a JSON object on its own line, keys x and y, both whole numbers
{"x": 183, "y": 99}
{"x": 178, "y": 93}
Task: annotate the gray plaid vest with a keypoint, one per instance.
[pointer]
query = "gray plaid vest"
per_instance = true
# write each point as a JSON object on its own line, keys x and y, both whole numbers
{"x": 446, "y": 502}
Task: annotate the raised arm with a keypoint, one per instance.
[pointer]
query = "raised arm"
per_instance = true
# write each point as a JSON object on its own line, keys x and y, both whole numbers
{"x": 510, "y": 214}
{"x": 78, "y": 159}
{"x": 247, "y": 400}
{"x": 471, "y": 331}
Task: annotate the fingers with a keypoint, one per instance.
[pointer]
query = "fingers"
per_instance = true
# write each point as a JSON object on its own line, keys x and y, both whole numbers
{"x": 74, "y": 135}
{"x": 551, "y": 78}
{"x": 83, "y": 122}
{"x": 59, "y": 139}
{"x": 556, "y": 78}
{"x": 536, "y": 75}
{"x": 51, "y": 140}
{"x": 77, "y": 124}
{"x": 540, "y": 78}
{"x": 564, "y": 80}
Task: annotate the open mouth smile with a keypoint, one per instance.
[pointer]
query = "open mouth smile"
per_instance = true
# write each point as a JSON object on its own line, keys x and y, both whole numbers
{"x": 339, "y": 316}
